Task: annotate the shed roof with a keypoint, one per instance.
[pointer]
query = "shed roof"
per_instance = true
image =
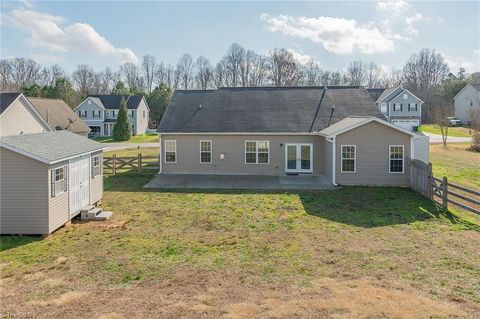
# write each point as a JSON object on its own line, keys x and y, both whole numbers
{"x": 59, "y": 115}
{"x": 263, "y": 109}
{"x": 50, "y": 147}
{"x": 6, "y": 99}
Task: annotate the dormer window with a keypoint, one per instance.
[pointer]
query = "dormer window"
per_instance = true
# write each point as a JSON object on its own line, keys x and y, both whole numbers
{"x": 89, "y": 101}
{"x": 405, "y": 96}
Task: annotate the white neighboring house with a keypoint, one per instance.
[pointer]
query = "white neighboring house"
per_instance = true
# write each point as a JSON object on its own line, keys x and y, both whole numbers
{"x": 401, "y": 107}
{"x": 466, "y": 101}
{"x": 100, "y": 113}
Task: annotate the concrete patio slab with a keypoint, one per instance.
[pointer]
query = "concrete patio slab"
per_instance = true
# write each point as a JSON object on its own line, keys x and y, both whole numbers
{"x": 260, "y": 182}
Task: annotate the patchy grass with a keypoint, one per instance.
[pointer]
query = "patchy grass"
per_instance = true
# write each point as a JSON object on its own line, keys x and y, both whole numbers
{"x": 146, "y": 138}
{"x": 455, "y": 162}
{"x": 354, "y": 252}
{"x": 146, "y": 151}
{"x": 452, "y": 131}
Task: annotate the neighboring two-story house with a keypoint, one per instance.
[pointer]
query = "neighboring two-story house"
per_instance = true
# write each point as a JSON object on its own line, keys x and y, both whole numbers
{"x": 467, "y": 101}
{"x": 100, "y": 113}
{"x": 400, "y": 107}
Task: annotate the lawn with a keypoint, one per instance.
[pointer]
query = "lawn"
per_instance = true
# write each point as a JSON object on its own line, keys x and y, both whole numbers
{"x": 452, "y": 131}
{"x": 146, "y": 138}
{"x": 455, "y": 162}
{"x": 348, "y": 253}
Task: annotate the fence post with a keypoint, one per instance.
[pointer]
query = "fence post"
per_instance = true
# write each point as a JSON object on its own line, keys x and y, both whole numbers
{"x": 139, "y": 163}
{"x": 114, "y": 164}
{"x": 445, "y": 192}
{"x": 430, "y": 182}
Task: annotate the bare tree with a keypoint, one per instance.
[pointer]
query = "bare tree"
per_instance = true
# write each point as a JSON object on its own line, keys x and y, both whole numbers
{"x": 284, "y": 70}
{"x": 204, "y": 75}
{"x": 150, "y": 67}
{"x": 259, "y": 71}
{"x": 107, "y": 80}
{"x": 83, "y": 78}
{"x": 24, "y": 72}
{"x": 233, "y": 63}
{"x": 170, "y": 77}
{"x": 312, "y": 73}
{"x": 440, "y": 113}
{"x": 356, "y": 73}
{"x": 374, "y": 76}
{"x": 5, "y": 74}
{"x": 219, "y": 74}
{"x": 246, "y": 67}
{"x": 131, "y": 73}
{"x": 184, "y": 71}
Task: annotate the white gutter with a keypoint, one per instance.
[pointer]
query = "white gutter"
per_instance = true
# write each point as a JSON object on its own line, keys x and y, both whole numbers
{"x": 160, "y": 155}
{"x": 334, "y": 156}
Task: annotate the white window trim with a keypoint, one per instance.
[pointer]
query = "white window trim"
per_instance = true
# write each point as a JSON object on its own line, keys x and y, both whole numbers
{"x": 165, "y": 151}
{"x": 94, "y": 167}
{"x": 256, "y": 152}
{"x": 389, "y": 158}
{"x": 211, "y": 151}
{"x": 354, "y": 159}
{"x": 64, "y": 180}
{"x": 395, "y": 107}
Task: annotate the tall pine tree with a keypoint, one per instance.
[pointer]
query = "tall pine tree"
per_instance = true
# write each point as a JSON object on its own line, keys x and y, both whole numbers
{"x": 122, "y": 131}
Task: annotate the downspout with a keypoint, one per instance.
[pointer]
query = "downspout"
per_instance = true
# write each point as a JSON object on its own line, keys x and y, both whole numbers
{"x": 160, "y": 168}
{"x": 334, "y": 157}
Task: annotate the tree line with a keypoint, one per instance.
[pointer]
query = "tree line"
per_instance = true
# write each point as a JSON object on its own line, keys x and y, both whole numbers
{"x": 425, "y": 73}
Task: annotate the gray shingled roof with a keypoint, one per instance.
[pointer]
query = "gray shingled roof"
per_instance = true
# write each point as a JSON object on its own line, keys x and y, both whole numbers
{"x": 389, "y": 94}
{"x": 265, "y": 109}
{"x": 50, "y": 147}
{"x": 476, "y": 86}
{"x": 112, "y": 101}
{"x": 6, "y": 99}
{"x": 59, "y": 115}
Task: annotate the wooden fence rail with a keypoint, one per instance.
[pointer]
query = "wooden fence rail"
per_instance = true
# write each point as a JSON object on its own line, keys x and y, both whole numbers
{"x": 139, "y": 163}
{"x": 423, "y": 181}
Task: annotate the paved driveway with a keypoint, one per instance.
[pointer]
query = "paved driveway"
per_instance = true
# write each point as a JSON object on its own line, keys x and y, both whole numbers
{"x": 435, "y": 138}
{"x": 259, "y": 182}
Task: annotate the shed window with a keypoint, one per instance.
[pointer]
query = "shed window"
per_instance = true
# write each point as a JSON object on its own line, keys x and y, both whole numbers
{"x": 257, "y": 152}
{"x": 171, "y": 151}
{"x": 349, "y": 158}
{"x": 205, "y": 151}
{"x": 396, "y": 154}
{"x": 59, "y": 181}
{"x": 96, "y": 166}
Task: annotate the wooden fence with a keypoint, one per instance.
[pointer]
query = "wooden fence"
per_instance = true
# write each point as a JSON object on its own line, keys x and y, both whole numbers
{"x": 441, "y": 190}
{"x": 113, "y": 165}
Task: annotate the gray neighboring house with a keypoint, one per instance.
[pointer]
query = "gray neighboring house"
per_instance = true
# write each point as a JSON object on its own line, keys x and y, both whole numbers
{"x": 100, "y": 113}
{"x": 46, "y": 179}
{"x": 19, "y": 116}
{"x": 399, "y": 106}
{"x": 466, "y": 102}
{"x": 336, "y": 132}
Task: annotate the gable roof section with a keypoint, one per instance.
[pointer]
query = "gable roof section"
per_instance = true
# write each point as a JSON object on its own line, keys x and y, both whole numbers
{"x": 112, "y": 101}
{"x": 50, "y": 147}
{"x": 6, "y": 99}
{"x": 474, "y": 85}
{"x": 375, "y": 93}
{"x": 59, "y": 115}
{"x": 262, "y": 109}
{"x": 388, "y": 94}
{"x": 349, "y": 123}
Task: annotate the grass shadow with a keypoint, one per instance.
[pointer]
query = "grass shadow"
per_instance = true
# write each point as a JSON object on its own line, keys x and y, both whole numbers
{"x": 8, "y": 242}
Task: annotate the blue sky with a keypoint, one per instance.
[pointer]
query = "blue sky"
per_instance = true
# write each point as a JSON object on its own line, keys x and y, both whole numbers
{"x": 333, "y": 33}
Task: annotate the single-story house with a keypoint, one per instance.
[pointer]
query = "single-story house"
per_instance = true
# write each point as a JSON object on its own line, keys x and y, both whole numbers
{"x": 59, "y": 115}
{"x": 467, "y": 102}
{"x": 336, "y": 132}
{"x": 18, "y": 116}
{"x": 46, "y": 180}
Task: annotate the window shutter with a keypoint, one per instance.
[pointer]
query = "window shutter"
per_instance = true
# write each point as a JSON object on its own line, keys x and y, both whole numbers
{"x": 401, "y": 107}
{"x": 52, "y": 183}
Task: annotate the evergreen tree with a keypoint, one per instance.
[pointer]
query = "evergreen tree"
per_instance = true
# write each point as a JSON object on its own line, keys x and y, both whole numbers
{"x": 122, "y": 131}
{"x": 120, "y": 88}
{"x": 158, "y": 100}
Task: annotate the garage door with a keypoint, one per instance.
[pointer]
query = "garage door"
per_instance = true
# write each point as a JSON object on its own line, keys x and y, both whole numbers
{"x": 407, "y": 124}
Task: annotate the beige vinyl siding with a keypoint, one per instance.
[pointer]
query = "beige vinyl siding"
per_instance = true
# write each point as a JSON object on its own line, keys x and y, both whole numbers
{"x": 17, "y": 119}
{"x": 233, "y": 146}
{"x": 372, "y": 142}
{"x": 96, "y": 183}
{"x": 59, "y": 205}
{"x": 141, "y": 123}
{"x": 24, "y": 194}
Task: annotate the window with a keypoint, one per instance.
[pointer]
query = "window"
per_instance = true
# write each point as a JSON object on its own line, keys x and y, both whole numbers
{"x": 396, "y": 158}
{"x": 85, "y": 113}
{"x": 133, "y": 113}
{"x": 59, "y": 182}
{"x": 170, "y": 151}
{"x": 257, "y": 152}
{"x": 96, "y": 167}
{"x": 99, "y": 113}
{"x": 405, "y": 96}
{"x": 349, "y": 154}
{"x": 383, "y": 107}
{"x": 79, "y": 113}
{"x": 93, "y": 113}
{"x": 113, "y": 114}
{"x": 205, "y": 151}
{"x": 397, "y": 107}
{"x": 412, "y": 106}
{"x": 143, "y": 113}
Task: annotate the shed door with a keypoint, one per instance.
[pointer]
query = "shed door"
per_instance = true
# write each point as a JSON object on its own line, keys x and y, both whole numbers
{"x": 79, "y": 184}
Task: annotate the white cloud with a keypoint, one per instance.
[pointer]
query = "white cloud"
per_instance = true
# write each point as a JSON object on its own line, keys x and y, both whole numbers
{"x": 47, "y": 58}
{"x": 302, "y": 58}
{"x": 46, "y": 31}
{"x": 459, "y": 62}
{"x": 336, "y": 35}
{"x": 394, "y": 7}
{"x": 410, "y": 21}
